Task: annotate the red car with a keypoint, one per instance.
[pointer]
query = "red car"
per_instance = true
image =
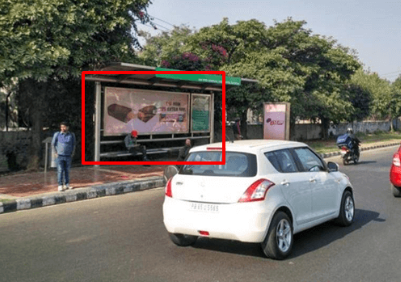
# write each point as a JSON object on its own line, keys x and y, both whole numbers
{"x": 395, "y": 174}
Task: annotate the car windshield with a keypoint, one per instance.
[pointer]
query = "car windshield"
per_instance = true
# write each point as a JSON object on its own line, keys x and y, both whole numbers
{"x": 237, "y": 164}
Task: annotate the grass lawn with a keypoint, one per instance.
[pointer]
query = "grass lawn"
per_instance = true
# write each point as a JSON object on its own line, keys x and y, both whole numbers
{"x": 5, "y": 200}
{"x": 329, "y": 145}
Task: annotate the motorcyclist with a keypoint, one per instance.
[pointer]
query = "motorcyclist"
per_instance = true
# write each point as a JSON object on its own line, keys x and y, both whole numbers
{"x": 355, "y": 141}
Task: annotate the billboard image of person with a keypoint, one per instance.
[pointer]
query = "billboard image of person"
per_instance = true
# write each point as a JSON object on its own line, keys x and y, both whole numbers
{"x": 147, "y": 112}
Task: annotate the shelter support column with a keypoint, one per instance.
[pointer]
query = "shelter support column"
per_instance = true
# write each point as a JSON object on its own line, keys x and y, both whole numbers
{"x": 212, "y": 118}
{"x": 98, "y": 116}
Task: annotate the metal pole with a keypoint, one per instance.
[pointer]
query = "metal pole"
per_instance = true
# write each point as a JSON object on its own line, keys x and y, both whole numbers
{"x": 46, "y": 155}
{"x": 98, "y": 113}
{"x": 212, "y": 121}
{"x": 8, "y": 95}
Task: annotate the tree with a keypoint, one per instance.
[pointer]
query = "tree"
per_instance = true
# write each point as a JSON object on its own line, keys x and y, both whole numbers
{"x": 361, "y": 100}
{"x": 159, "y": 49}
{"x": 290, "y": 63}
{"x": 395, "y": 103}
{"x": 44, "y": 42}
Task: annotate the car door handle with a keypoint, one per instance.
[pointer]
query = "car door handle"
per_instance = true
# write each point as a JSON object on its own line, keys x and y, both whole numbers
{"x": 285, "y": 183}
{"x": 312, "y": 179}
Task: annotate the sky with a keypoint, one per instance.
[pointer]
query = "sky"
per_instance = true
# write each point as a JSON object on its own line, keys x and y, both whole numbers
{"x": 371, "y": 27}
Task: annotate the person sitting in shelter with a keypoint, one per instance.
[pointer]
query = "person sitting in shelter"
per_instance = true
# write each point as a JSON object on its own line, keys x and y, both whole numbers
{"x": 184, "y": 151}
{"x": 132, "y": 145}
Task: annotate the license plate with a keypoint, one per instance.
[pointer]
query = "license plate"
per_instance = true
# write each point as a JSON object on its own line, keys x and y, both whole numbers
{"x": 204, "y": 207}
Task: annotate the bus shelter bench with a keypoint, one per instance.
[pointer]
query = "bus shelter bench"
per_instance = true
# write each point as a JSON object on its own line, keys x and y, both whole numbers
{"x": 126, "y": 153}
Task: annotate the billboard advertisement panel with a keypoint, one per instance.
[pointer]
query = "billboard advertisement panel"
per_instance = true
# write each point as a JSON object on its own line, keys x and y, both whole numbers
{"x": 200, "y": 113}
{"x": 276, "y": 124}
{"x": 146, "y": 111}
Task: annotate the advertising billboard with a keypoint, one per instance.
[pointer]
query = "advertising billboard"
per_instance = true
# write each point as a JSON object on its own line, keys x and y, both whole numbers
{"x": 147, "y": 112}
{"x": 200, "y": 113}
{"x": 276, "y": 123}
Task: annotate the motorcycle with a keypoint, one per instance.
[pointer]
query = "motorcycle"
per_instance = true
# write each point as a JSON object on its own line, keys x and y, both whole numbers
{"x": 349, "y": 149}
{"x": 350, "y": 155}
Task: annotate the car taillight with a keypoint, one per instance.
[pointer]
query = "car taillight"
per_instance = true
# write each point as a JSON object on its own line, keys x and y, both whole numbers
{"x": 257, "y": 191}
{"x": 168, "y": 192}
{"x": 396, "y": 160}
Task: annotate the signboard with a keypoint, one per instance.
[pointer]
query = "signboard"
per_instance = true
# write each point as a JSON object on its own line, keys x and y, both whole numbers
{"x": 208, "y": 78}
{"x": 276, "y": 124}
{"x": 200, "y": 113}
{"x": 147, "y": 112}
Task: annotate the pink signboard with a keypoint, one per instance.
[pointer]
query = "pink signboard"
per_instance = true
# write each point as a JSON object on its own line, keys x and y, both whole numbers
{"x": 276, "y": 121}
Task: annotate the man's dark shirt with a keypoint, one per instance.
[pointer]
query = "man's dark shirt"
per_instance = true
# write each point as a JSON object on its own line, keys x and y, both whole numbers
{"x": 183, "y": 153}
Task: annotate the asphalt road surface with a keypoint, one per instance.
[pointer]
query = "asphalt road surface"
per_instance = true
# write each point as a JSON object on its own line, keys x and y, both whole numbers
{"x": 122, "y": 238}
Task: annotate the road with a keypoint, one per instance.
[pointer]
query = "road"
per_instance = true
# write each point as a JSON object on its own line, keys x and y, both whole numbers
{"x": 122, "y": 238}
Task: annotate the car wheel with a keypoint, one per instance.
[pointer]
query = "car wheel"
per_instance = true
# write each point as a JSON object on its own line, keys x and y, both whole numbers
{"x": 279, "y": 239}
{"x": 183, "y": 240}
{"x": 396, "y": 191}
{"x": 347, "y": 210}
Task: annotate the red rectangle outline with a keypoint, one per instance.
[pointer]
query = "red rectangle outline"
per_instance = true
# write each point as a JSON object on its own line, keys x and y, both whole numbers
{"x": 223, "y": 85}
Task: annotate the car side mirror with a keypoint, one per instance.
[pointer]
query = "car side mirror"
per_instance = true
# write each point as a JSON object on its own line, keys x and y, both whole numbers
{"x": 332, "y": 166}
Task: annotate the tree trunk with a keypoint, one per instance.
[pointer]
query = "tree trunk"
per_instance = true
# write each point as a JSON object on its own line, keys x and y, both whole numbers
{"x": 325, "y": 127}
{"x": 35, "y": 92}
{"x": 292, "y": 130}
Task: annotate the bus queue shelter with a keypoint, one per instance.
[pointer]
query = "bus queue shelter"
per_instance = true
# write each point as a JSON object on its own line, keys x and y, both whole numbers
{"x": 204, "y": 83}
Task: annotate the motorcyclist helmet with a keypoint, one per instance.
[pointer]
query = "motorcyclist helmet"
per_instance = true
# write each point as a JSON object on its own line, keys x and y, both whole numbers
{"x": 350, "y": 131}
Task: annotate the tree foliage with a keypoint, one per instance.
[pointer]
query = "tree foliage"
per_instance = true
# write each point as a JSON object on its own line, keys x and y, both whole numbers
{"x": 290, "y": 63}
{"x": 44, "y": 38}
{"x": 380, "y": 90}
{"x": 43, "y": 42}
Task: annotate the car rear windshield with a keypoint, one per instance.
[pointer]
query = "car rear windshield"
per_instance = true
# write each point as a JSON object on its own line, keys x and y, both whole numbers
{"x": 237, "y": 164}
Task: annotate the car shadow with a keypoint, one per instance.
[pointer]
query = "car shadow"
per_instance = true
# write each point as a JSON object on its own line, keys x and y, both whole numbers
{"x": 327, "y": 233}
{"x": 228, "y": 246}
{"x": 305, "y": 242}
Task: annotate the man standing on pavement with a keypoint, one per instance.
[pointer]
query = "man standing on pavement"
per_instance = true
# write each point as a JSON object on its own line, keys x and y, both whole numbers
{"x": 64, "y": 143}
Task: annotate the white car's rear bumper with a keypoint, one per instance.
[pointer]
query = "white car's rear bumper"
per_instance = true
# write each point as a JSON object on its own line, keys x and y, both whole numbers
{"x": 245, "y": 222}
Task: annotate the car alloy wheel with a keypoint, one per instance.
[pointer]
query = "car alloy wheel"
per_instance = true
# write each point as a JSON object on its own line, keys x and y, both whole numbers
{"x": 279, "y": 239}
{"x": 283, "y": 235}
{"x": 349, "y": 208}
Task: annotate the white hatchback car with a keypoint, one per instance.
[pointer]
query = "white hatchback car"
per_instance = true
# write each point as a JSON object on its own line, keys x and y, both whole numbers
{"x": 267, "y": 191}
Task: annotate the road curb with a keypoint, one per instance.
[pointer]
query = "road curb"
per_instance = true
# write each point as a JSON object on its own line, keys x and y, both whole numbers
{"x": 78, "y": 194}
{"x": 333, "y": 154}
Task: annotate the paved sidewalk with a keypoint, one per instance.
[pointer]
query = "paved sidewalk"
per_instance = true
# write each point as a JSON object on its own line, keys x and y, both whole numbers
{"x": 22, "y": 184}
{"x": 25, "y": 190}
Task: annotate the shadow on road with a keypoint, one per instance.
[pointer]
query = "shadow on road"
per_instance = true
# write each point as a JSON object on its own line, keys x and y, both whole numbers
{"x": 305, "y": 242}
{"x": 326, "y": 233}
{"x": 366, "y": 162}
{"x": 232, "y": 247}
